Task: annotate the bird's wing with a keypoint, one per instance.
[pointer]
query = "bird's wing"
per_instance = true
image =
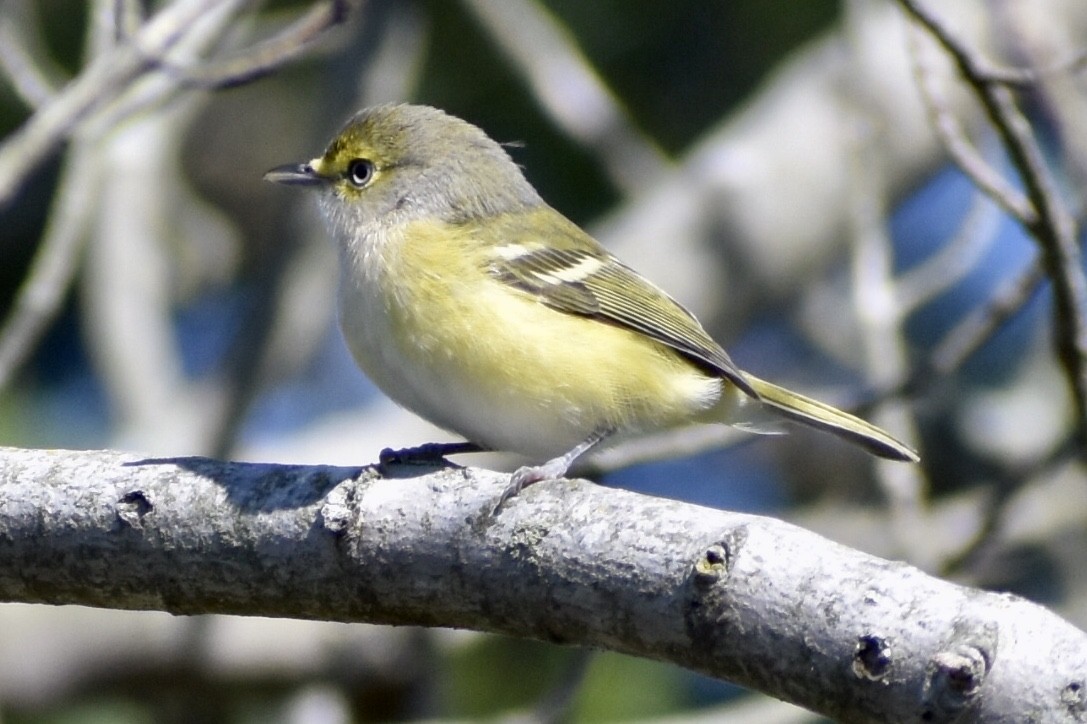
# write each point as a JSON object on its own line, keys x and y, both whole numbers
{"x": 581, "y": 277}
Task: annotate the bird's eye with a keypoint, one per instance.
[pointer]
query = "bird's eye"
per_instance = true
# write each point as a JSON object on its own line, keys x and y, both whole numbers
{"x": 360, "y": 171}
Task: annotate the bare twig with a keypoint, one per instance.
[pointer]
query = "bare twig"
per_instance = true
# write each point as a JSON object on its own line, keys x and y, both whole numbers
{"x": 41, "y": 293}
{"x": 976, "y": 328}
{"x": 965, "y": 338}
{"x": 74, "y": 205}
{"x": 265, "y": 57}
{"x": 127, "y": 296}
{"x": 1001, "y": 493}
{"x": 957, "y": 258}
{"x": 32, "y": 74}
{"x": 1030, "y": 76}
{"x": 109, "y": 76}
{"x": 127, "y": 16}
{"x": 100, "y": 81}
{"x": 1051, "y": 224}
{"x": 880, "y": 319}
{"x": 50, "y": 277}
{"x": 951, "y": 134}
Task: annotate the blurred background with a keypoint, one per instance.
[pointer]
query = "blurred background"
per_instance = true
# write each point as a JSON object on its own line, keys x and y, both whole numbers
{"x": 772, "y": 164}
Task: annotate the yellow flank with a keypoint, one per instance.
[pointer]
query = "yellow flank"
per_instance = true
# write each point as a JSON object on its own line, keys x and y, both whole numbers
{"x": 504, "y": 350}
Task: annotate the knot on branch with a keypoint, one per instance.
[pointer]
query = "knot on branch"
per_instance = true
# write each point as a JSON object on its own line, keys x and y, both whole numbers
{"x": 1074, "y": 699}
{"x": 713, "y": 564}
{"x": 953, "y": 680}
{"x": 872, "y": 658}
{"x": 132, "y": 507}
{"x": 716, "y": 559}
{"x": 338, "y": 512}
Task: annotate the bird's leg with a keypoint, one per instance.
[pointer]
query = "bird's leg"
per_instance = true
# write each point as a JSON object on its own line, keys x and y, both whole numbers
{"x": 553, "y": 468}
{"x": 428, "y": 454}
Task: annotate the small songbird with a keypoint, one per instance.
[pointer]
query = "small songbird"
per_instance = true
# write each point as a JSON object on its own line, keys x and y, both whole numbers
{"x": 471, "y": 302}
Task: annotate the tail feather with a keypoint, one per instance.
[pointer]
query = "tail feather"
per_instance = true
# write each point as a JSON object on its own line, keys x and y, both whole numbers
{"x": 822, "y": 416}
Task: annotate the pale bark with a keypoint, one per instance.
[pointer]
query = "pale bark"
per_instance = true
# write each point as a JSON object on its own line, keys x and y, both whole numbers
{"x": 744, "y": 598}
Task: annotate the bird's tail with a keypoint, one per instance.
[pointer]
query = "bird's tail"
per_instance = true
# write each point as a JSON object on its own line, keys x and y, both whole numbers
{"x": 824, "y": 417}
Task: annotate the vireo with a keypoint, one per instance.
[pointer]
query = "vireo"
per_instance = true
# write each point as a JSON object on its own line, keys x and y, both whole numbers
{"x": 470, "y": 301}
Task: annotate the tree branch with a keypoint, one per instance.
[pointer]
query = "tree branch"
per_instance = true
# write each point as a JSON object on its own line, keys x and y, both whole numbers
{"x": 101, "y": 80}
{"x": 739, "y": 597}
{"x": 264, "y": 58}
{"x": 1050, "y": 223}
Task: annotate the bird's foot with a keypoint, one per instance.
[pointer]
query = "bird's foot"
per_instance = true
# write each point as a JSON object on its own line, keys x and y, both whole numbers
{"x": 552, "y": 469}
{"x": 529, "y": 475}
{"x": 432, "y": 453}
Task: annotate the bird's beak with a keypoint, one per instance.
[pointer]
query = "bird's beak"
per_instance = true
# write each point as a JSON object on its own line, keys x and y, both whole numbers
{"x": 295, "y": 174}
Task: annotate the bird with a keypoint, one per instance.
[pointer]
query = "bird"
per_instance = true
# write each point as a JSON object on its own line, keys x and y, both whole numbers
{"x": 470, "y": 301}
